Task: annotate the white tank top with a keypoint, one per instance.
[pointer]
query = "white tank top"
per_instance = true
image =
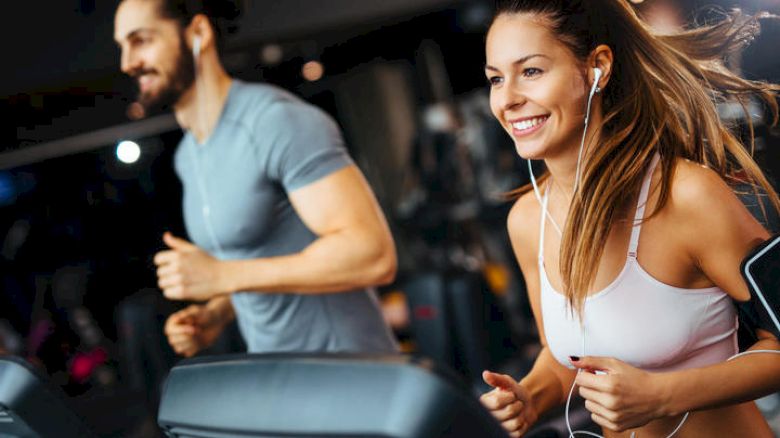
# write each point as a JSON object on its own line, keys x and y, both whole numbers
{"x": 638, "y": 319}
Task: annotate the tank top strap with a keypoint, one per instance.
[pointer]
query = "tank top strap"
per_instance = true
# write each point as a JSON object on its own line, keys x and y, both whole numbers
{"x": 640, "y": 207}
{"x": 542, "y": 220}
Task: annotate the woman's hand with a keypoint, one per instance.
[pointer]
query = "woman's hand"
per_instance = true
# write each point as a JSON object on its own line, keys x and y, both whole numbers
{"x": 510, "y": 403}
{"x": 619, "y": 396}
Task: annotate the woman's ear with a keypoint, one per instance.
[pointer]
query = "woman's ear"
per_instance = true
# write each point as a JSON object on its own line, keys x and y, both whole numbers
{"x": 600, "y": 58}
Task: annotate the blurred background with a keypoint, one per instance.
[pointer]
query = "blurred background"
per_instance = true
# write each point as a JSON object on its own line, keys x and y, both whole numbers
{"x": 87, "y": 186}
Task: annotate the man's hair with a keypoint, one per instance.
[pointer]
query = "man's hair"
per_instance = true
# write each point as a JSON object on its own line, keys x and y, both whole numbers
{"x": 222, "y": 14}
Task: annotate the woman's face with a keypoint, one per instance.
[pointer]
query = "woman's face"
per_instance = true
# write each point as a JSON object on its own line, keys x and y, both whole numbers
{"x": 537, "y": 87}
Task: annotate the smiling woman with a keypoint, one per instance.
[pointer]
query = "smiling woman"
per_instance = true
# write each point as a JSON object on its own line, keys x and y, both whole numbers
{"x": 637, "y": 286}
{"x": 530, "y": 64}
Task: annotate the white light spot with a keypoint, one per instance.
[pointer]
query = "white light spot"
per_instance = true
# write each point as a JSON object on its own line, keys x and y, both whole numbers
{"x": 128, "y": 151}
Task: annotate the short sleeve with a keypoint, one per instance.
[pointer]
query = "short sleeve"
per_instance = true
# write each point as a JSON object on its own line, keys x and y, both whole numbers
{"x": 306, "y": 144}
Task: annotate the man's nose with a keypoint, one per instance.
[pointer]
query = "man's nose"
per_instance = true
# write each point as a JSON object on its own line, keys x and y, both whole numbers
{"x": 129, "y": 63}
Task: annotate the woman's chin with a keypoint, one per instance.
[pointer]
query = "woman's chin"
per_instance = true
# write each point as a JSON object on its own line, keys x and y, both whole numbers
{"x": 528, "y": 152}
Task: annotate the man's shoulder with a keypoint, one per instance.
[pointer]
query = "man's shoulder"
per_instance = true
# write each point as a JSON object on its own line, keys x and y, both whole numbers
{"x": 273, "y": 107}
{"x": 260, "y": 92}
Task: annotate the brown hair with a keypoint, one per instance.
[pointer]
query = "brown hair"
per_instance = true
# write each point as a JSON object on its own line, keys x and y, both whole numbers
{"x": 660, "y": 99}
{"x": 223, "y": 15}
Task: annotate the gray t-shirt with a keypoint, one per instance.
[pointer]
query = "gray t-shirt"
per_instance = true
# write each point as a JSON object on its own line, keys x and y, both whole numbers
{"x": 267, "y": 143}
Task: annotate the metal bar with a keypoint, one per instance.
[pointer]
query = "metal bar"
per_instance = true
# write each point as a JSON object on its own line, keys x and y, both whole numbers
{"x": 88, "y": 141}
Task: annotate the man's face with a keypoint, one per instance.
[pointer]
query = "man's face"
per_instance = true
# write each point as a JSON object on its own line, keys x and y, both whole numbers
{"x": 154, "y": 53}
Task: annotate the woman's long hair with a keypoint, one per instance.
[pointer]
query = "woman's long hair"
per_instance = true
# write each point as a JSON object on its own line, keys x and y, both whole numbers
{"x": 661, "y": 98}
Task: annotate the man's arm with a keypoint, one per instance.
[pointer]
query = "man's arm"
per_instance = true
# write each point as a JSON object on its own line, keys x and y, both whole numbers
{"x": 196, "y": 327}
{"x": 354, "y": 247}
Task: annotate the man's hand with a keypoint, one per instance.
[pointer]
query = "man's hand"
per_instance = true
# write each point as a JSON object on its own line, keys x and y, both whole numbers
{"x": 186, "y": 272}
{"x": 510, "y": 403}
{"x": 193, "y": 329}
{"x": 619, "y": 397}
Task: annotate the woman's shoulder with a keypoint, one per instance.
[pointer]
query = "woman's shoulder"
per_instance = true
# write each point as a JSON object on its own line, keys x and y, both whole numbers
{"x": 704, "y": 207}
{"x": 692, "y": 180}
{"x": 524, "y": 213}
{"x": 711, "y": 225}
{"x": 698, "y": 190}
{"x": 523, "y": 223}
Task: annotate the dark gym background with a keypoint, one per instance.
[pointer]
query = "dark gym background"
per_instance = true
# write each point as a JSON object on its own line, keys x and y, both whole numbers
{"x": 404, "y": 79}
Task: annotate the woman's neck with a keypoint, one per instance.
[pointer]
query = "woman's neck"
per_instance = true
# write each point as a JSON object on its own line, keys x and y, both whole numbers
{"x": 563, "y": 166}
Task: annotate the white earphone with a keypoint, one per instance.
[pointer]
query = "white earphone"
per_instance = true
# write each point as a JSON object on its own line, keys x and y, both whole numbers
{"x": 597, "y": 73}
{"x": 196, "y": 47}
{"x": 593, "y": 90}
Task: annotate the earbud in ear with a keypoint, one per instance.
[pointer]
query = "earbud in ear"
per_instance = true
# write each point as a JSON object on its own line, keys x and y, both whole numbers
{"x": 196, "y": 47}
{"x": 597, "y": 73}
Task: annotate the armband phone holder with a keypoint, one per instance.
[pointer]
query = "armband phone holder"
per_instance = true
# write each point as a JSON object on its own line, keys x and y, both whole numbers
{"x": 761, "y": 269}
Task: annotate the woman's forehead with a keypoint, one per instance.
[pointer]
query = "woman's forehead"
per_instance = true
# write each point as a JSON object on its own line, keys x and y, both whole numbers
{"x": 518, "y": 35}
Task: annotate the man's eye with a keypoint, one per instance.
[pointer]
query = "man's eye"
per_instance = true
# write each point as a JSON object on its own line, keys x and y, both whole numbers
{"x": 139, "y": 41}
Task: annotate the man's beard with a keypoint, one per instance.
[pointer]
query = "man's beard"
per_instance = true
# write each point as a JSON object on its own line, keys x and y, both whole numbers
{"x": 181, "y": 78}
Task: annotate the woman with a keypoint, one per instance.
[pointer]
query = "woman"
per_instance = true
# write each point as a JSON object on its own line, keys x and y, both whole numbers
{"x": 632, "y": 294}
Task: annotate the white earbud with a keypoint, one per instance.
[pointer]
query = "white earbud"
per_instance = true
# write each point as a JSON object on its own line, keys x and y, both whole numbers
{"x": 196, "y": 47}
{"x": 593, "y": 90}
{"x": 597, "y": 73}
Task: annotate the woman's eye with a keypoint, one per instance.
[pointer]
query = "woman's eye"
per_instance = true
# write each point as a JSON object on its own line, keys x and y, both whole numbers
{"x": 495, "y": 80}
{"x": 531, "y": 72}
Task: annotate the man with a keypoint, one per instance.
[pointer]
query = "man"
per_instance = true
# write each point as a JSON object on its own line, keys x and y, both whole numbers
{"x": 287, "y": 233}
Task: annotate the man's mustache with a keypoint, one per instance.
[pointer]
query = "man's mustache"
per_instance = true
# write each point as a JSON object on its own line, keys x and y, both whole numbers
{"x": 138, "y": 73}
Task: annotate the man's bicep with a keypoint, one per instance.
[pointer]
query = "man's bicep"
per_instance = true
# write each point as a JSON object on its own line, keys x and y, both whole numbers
{"x": 337, "y": 201}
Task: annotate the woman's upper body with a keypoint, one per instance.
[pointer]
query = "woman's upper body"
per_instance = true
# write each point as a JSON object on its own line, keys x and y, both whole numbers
{"x": 643, "y": 321}
{"x": 693, "y": 237}
{"x": 679, "y": 250}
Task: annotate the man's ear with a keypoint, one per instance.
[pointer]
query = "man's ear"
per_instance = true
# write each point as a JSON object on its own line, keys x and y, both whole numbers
{"x": 200, "y": 35}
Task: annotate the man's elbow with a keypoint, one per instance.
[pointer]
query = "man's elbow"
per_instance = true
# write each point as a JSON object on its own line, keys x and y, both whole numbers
{"x": 385, "y": 265}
